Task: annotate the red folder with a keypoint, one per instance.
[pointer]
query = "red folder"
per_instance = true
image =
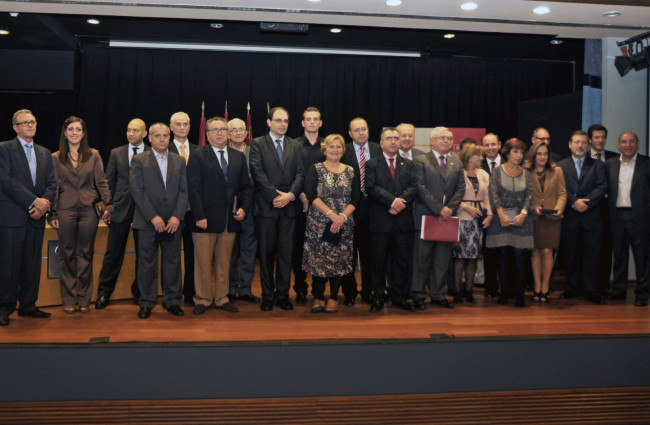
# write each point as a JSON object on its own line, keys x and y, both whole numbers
{"x": 433, "y": 230}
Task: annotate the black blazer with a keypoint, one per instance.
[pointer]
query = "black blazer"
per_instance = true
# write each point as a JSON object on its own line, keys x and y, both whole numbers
{"x": 269, "y": 174}
{"x": 639, "y": 192}
{"x": 592, "y": 185}
{"x": 383, "y": 189}
{"x": 211, "y": 196}
{"x": 486, "y": 166}
{"x": 350, "y": 158}
{"x": 117, "y": 175}
{"x": 17, "y": 191}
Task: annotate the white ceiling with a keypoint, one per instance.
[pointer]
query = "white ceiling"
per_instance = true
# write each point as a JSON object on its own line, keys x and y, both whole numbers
{"x": 566, "y": 20}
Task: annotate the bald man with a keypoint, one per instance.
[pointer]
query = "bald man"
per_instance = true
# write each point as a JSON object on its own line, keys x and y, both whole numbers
{"x": 117, "y": 174}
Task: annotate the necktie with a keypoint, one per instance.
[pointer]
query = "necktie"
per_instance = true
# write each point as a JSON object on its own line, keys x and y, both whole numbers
{"x": 578, "y": 167}
{"x": 362, "y": 169}
{"x": 135, "y": 152}
{"x": 32, "y": 162}
{"x": 392, "y": 166}
{"x": 184, "y": 154}
{"x": 494, "y": 164}
{"x": 443, "y": 166}
{"x": 599, "y": 155}
{"x": 278, "y": 147}
{"x": 224, "y": 165}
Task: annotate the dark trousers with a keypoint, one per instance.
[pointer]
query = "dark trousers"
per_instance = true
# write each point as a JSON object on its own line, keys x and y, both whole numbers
{"x": 170, "y": 255}
{"x": 606, "y": 249}
{"x": 242, "y": 261}
{"x": 275, "y": 243}
{"x": 512, "y": 271}
{"x": 77, "y": 230}
{"x": 624, "y": 237}
{"x": 118, "y": 235}
{"x": 300, "y": 285}
{"x": 188, "y": 258}
{"x": 582, "y": 253}
{"x": 318, "y": 287}
{"x": 393, "y": 247}
{"x": 361, "y": 255}
{"x": 20, "y": 267}
{"x": 490, "y": 267}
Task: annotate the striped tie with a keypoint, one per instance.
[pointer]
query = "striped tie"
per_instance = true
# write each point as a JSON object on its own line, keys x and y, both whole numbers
{"x": 362, "y": 169}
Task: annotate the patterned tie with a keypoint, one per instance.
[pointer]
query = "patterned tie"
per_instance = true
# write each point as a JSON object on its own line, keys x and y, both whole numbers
{"x": 443, "y": 166}
{"x": 578, "y": 167}
{"x": 494, "y": 164}
{"x": 224, "y": 165}
{"x": 362, "y": 169}
{"x": 184, "y": 154}
{"x": 278, "y": 147}
{"x": 32, "y": 162}
{"x": 392, "y": 166}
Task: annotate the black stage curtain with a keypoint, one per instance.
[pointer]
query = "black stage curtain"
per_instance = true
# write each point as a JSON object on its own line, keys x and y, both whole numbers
{"x": 120, "y": 84}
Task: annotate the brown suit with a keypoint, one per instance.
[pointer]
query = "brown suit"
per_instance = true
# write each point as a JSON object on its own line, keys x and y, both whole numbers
{"x": 553, "y": 197}
{"x": 79, "y": 188}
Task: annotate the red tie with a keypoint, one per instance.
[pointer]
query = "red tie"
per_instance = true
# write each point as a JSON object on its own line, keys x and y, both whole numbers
{"x": 392, "y": 166}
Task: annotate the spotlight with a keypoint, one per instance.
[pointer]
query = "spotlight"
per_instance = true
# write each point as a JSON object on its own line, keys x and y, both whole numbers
{"x": 636, "y": 54}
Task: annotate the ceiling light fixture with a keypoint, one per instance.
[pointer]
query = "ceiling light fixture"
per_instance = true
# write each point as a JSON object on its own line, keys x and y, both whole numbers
{"x": 93, "y": 21}
{"x": 469, "y": 6}
{"x": 556, "y": 41}
{"x": 216, "y": 25}
{"x": 393, "y": 2}
{"x": 4, "y": 32}
{"x": 612, "y": 14}
{"x": 335, "y": 30}
{"x": 260, "y": 49}
{"x": 450, "y": 35}
{"x": 13, "y": 14}
{"x": 541, "y": 10}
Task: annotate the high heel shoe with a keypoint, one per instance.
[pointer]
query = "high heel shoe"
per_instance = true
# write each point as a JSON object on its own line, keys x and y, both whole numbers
{"x": 537, "y": 296}
{"x": 458, "y": 297}
{"x": 332, "y": 306}
{"x": 83, "y": 308}
{"x": 69, "y": 309}
{"x": 319, "y": 305}
{"x": 545, "y": 297}
{"x": 469, "y": 297}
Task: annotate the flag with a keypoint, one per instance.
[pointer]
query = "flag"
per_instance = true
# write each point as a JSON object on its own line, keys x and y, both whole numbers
{"x": 202, "y": 126}
{"x": 249, "y": 125}
{"x": 225, "y": 114}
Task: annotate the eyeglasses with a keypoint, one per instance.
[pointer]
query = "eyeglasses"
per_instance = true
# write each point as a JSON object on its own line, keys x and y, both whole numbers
{"x": 217, "y": 130}
{"x": 26, "y": 123}
{"x": 237, "y": 131}
{"x": 445, "y": 138}
{"x": 543, "y": 139}
{"x": 280, "y": 121}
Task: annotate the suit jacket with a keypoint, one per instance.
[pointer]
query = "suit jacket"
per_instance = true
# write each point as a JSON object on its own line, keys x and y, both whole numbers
{"x": 591, "y": 185}
{"x": 554, "y": 196}
{"x": 434, "y": 190}
{"x": 639, "y": 192}
{"x": 608, "y": 154}
{"x": 382, "y": 189}
{"x": 172, "y": 148}
{"x": 414, "y": 152}
{"x": 270, "y": 174}
{"x": 83, "y": 185}
{"x": 117, "y": 176}
{"x": 17, "y": 191}
{"x": 211, "y": 196}
{"x": 149, "y": 193}
{"x": 483, "y": 195}
{"x": 486, "y": 166}
{"x": 350, "y": 158}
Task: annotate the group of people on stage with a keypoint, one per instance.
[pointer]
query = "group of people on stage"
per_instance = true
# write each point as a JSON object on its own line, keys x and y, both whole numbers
{"x": 316, "y": 205}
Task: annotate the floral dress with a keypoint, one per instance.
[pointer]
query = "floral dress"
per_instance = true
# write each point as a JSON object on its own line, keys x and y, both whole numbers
{"x": 336, "y": 190}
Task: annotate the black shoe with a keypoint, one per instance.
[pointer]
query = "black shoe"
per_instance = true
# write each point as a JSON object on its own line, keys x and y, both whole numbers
{"x": 617, "y": 295}
{"x": 250, "y": 298}
{"x": 640, "y": 303}
{"x": 301, "y": 298}
{"x": 285, "y": 304}
{"x": 404, "y": 305}
{"x": 458, "y": 297}
{"x": 420, "y": 305}
{"x": 37, "y": 313}
{"x": 229, "y": 307}
{"x": 349, "y": 302}
{"x": 469, "y": 297}
{"x": 376, "y": 306}
{"x": 144, "y": 312}
{"x": 189, "y": 301}
{"x": 4, "y": 320}
{"x": 176, "y": 310}
{"x": 199, "y": 309}
{"x": 519, "y": 301}
{"x": 443, "y": 303}
{"x": 102, "y": 302}
{"x": 267, "y": 305}
{"x": 596, "y": 299}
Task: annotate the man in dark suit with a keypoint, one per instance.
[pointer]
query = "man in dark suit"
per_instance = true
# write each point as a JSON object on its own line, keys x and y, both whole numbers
{"x": 27, "y": 189}
{"x": 391, "y": 186}
{"x": 179, "y": 123}
{"x": 159, "y": 189}
{"x": 597, "y": 138}
{"x": 220, "y": 197}
{"x": 407, "y": 141}
{"x": 277, "y": 169}
{"x": 441, "y": 186}
{"x": 311, "y": 154}
{"x": 117, "y": 175}
{"x": 582, "y": 230}
{"x": 493, "y": 159}
{"x": 629, "y": 203}
{"x": 357, "y": 154}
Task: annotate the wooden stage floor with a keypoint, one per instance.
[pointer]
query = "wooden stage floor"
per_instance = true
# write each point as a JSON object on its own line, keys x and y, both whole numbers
{"x": 485, "y": 319}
